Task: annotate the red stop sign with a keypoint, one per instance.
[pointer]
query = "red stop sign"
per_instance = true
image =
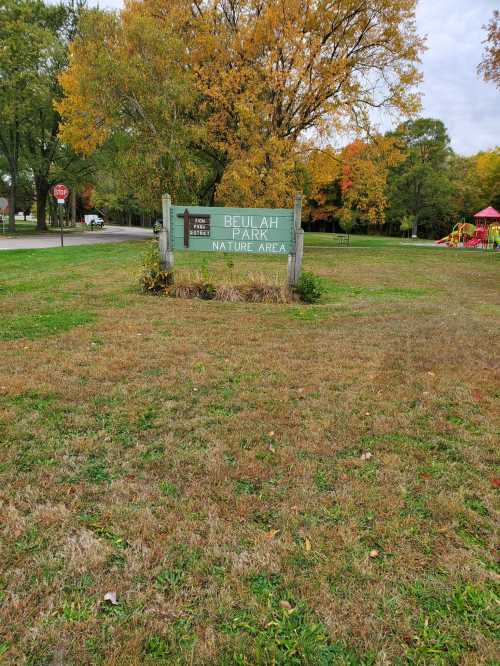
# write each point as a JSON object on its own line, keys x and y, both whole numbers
{"x": 60, "y": 191}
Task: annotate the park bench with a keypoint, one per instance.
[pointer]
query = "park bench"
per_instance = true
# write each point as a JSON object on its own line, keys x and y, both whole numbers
{"x": 342, "y": 239}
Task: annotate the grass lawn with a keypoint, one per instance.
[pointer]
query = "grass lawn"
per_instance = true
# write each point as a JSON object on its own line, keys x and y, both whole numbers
{"x": 318, "y": 239}
{"x": 28, "y": 228}
{"x": 258, "y": 484}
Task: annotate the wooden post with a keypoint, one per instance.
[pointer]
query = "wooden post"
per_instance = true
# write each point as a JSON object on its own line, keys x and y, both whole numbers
{"x": 186, "y": 227}
{"x": 61, "y": 214}
{"x": 73, "y": 207}
{"x": 166, "y": 254}
{"x": 295, "y": 257}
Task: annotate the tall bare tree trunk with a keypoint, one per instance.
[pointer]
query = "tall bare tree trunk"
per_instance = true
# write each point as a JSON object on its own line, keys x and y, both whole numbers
{"x": 12, "y": 201}
{"x": 73, "y": 207}
{"x": 42, "y": 192}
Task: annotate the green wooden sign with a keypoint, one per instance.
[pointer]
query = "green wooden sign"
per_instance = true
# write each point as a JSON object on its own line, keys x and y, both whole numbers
{"x": 251, "y": 230}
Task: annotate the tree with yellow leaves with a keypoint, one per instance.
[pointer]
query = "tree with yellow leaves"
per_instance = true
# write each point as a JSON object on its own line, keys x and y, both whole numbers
{"x": 128, "y": 89}
{"x": 351, "y": 183}
{"x": 232, "y": 89}
{"x": 365, "y": 168}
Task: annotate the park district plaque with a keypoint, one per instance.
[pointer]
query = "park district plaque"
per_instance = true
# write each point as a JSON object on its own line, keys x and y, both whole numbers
{"x": 194, "y": 225}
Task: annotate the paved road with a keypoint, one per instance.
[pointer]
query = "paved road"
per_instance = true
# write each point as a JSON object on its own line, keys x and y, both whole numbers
{"x": 112, "y": 234}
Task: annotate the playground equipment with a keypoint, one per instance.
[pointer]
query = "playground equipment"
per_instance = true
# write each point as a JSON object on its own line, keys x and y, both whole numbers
{"x": 485, "y": 235}
{"x": 494, "y": 235}
{"x": 461, "y": 233}
{"x": 480, "y": 237}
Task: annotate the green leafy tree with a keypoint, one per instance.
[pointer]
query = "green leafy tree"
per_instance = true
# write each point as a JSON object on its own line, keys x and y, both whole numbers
{"x": 406, "y": 224}
{"x": 24, "y": 191}
{"x": 35, "y": 37}
{"x": 347, "y": 220}
{"x": 49, "y": 159}
{"x": 421, "y": 185}
{"x": 26, "y": 43}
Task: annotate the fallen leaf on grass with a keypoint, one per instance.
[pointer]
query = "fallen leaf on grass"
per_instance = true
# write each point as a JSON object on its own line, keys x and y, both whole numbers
{"x": 286, "y": 605}
{"x": 495, "y": 483}
{"x": 111, "y": 597}
{"x": 374, "y": 553}
{"x": 307, "y": 544}
{"x": 270, "y": 535}
{"x": 476, "y": 395}
{"x": 366, "y": 456}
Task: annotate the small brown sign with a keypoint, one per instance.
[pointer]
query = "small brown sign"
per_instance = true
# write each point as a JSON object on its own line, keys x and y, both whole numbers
{"x": 195, "y": 225}
{"x": 199, "y": 225}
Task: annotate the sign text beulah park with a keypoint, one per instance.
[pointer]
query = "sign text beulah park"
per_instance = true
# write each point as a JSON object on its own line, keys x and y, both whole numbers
{"x": 275, "y": 231}
{"x": 252, "y": 230}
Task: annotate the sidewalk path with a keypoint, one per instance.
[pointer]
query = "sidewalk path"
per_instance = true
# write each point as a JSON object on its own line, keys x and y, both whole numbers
{"x": 111, "y": 234}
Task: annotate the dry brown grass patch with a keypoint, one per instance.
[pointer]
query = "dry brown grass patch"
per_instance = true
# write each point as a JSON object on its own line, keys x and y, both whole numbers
{"x": 257, "y": 289}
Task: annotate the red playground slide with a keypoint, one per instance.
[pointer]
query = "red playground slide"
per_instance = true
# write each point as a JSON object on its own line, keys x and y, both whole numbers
{"x": 480, "y": 237}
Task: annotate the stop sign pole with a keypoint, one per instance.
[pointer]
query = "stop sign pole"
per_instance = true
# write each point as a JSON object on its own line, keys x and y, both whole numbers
{"x": 60, "y": 193}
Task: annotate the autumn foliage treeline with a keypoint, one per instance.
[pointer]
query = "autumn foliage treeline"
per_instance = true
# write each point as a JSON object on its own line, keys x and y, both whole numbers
{"x": 408, "y": 179}
{"x": 227, "y": 100}
{"x": 235, "y": 102}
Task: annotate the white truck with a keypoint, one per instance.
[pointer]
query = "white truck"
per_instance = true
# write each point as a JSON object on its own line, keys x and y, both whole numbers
{"x": 94, "y": 221}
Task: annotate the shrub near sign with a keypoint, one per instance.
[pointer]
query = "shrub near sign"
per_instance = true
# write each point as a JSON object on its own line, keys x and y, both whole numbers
{"x": 248, "y": 230}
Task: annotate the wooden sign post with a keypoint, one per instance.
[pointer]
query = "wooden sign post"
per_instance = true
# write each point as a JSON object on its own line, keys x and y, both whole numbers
{"x": 165, "y": 239}
{"x": 295, "y": 257}
{"x": 275, "y": 231}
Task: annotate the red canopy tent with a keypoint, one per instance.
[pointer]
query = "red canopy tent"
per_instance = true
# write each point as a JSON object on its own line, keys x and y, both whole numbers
{"x": 487, "y": 214}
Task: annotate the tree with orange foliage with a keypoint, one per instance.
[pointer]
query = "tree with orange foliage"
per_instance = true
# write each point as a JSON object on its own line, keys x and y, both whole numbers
{"x": 352, "y": 182}
{"x": 365, "y": 168}
{"x": 230, "y": 89}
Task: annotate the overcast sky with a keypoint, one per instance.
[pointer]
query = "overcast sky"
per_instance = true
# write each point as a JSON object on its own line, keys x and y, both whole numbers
{"x": 451, "y": 89}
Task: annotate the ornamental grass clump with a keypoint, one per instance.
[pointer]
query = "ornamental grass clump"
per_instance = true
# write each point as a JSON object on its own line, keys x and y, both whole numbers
{"x": 228, "y": 293}
{"x": 192, "y": 286}
{"x": 258, "y": 289}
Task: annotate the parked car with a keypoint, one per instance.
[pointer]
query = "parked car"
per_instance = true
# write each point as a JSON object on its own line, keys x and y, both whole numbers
{"x": 94, "y": 221}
